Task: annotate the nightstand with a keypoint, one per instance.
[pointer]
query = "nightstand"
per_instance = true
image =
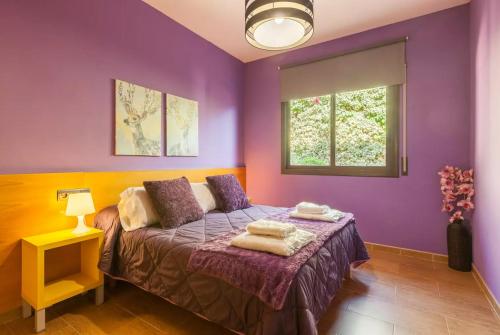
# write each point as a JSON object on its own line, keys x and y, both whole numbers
{"x": 38, "y": 293}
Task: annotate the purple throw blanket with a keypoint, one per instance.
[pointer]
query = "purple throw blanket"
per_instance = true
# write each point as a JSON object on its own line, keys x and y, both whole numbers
{"x": 265, "y": 275}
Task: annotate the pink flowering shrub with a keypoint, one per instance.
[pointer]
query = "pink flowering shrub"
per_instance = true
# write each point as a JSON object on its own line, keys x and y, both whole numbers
{"x": 457, "y": 187}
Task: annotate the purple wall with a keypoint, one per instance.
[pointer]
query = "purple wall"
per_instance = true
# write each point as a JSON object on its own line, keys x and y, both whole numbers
{"x": 485, "y": 59}
{"x": 402, "y": 212}
{"x": 58, "y": 59}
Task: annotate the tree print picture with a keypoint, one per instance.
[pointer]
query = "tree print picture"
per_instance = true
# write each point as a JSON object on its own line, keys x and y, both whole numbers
{"x": 137, "y": 120}
{"x": 182, "y": 126}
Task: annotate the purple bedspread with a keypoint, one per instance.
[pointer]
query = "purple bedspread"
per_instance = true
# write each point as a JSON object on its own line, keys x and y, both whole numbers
{"x": 156, "y": 260}
{"x": 262, "y": 274}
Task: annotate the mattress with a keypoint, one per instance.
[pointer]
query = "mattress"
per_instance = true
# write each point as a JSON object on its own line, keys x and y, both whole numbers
{"x": 156, "y": 260}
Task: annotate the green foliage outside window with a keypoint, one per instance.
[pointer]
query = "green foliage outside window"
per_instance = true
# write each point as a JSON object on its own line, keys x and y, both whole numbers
{"x": 360, "y": 129}
{"x": 310, "y": 131}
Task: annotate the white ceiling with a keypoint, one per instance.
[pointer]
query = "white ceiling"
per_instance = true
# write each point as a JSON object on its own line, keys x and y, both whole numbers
{"x": 222, "y": 21}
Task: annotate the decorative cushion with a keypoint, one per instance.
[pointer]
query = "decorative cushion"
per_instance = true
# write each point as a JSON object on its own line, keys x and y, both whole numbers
{"x": 204, "y": 196}
{"x": 174, "y": 201}
{"x": 136, "y": 209}
{"x": 228, "y": 193}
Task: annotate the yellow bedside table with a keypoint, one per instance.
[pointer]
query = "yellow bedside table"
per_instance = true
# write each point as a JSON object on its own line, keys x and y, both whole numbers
{"x": 37, "y": 293}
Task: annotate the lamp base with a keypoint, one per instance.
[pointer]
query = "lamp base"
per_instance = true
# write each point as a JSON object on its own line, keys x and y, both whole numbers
{"x": 81, "y": 227}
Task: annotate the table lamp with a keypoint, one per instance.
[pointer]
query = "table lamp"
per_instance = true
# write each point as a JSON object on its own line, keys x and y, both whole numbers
{"x": 79, "y": 205}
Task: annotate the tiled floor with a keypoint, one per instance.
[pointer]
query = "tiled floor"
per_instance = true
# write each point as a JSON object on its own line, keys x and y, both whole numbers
{"x": 391, "y": 294}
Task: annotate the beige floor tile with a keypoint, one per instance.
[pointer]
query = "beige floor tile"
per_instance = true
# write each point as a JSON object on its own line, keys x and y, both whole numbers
{"x": 55, "y": 325}
{"x": 403, "y": 316}
{"x": 10, "y": 316}
{"x": 456, "y": 294}
{"x": 4, "y": 330}
{"x": 105, "y": 319}
{"x": 471, "y": 327}
{"x": 364, "y": 286}
{"x": 415, "y": 266}
{"x": 418, "y": 286}
{"x": 440, "y": 259}
{"x": 444, "y": 274}
{"x": 137, "y": 327}
{"x": 449, "y": 288}
{"x": 431, "y": 303}
{"x": 385, "y": 263}
{"x": 403, "y": 330}
{"x": 372, "y": 275}
{"x": 350, "y": 323}
{"x": 398, "y": 279}
{"x": 154, "y": 310}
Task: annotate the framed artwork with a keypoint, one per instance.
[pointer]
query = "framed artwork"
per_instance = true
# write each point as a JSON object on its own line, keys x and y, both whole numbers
{"x": 182, "y": 126}
{"x": 137, "y": 120}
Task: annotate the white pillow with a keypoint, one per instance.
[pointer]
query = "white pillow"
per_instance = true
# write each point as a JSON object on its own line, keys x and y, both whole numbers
{"x": 204, "y": 196}
{"x": 136, "y": 209}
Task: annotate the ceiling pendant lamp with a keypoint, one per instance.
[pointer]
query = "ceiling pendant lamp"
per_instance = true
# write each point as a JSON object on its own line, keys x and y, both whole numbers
{"x": 278, "y": 25}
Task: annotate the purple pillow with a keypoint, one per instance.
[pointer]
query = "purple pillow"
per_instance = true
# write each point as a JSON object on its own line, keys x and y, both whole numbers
{"x": 174, "y": 201}
{"x": 228, "y": 193}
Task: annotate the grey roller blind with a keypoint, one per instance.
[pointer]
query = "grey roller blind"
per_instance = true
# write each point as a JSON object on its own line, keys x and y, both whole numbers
{"x": 374, "y": 67}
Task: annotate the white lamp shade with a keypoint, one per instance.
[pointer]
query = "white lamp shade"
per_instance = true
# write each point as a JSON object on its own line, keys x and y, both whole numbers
{"x": 80, "y": 204}
{"x": 278, "y": 24}
{"x": 279, "y": 33}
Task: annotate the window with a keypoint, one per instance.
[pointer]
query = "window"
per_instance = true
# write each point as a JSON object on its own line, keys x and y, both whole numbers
{"x": 351, "y": 133}
{"x": 341, "y": 113}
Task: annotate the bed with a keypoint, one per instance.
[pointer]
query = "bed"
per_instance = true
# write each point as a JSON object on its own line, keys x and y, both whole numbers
{"x": 156, "y": 260}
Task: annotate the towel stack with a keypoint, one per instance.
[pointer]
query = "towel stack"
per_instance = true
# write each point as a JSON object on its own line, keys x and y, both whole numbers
{"x": 276, "y": 237}
{"x": 311, "y": 211}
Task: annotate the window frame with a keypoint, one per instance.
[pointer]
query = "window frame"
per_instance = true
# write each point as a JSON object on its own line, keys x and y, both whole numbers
{"x": 392, "y": 144}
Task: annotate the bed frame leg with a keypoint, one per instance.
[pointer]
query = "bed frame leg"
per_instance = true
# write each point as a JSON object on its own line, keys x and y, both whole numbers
{"x": 347, "y": 275}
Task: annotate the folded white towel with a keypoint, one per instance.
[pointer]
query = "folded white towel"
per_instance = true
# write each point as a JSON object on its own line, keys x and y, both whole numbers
{"x": 311, "y": 208}
{"x": 271, "y": 228}
{"x": 332, "y": 215}
{"x": 279, "y": 246}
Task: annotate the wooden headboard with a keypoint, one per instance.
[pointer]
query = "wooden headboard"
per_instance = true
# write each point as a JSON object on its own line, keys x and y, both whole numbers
{"x": 28, "y": 206}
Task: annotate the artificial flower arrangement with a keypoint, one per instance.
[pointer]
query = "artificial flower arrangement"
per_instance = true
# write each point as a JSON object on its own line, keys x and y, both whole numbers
{"x": 457, "y": 187}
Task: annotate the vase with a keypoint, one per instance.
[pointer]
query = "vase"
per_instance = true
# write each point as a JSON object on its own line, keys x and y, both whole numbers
{"x": 459, "y": 246}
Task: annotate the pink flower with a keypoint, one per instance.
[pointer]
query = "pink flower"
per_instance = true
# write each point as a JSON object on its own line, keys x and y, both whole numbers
{"x": 445, "y": 173}
{"x": 456, "y": 216}
{"x": 449, "y": 183}
{"x": 449, "y": 197}
{"x": 465, "y": 188}
{"x": 466, "y": 176}
{"x": 468, "y": 173}
{"x": 447, "y": 207}
{"x": 466, "y": 204}
{"x": 458, "y": 190}
{"x": 316, "y": 101}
